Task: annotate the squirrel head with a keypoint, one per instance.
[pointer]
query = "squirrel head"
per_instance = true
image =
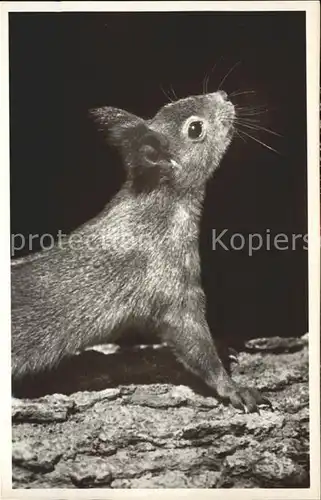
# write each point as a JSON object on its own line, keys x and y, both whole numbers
{"x": 181, "y": 145}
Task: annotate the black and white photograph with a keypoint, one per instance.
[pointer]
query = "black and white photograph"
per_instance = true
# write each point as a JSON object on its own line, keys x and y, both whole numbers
{"x": 161, "y": 209}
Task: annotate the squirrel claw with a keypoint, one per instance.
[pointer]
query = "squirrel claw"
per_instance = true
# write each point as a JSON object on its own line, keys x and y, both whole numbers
{"x": 233, "y": 355}
{"x": 246, "y": 399}
{"x": 266, "y": 402}
{"x": 245, "y": 409}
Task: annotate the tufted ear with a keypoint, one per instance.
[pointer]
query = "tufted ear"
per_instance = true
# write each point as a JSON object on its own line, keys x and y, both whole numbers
{"x": 145, "y": 151}
{"x": 112, "y": 121}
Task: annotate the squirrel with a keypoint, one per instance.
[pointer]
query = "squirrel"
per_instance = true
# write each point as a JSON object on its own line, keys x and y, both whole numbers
{"x": 137, "y": 263}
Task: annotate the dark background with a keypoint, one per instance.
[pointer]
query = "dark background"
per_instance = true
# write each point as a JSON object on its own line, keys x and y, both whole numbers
{"x": 62, "y": 174}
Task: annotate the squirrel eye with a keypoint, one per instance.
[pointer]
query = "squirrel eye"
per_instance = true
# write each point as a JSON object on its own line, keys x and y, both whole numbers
{"x": 195, "y": 129}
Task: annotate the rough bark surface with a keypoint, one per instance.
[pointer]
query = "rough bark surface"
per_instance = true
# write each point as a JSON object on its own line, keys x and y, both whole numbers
{"x": 136, "y": 419}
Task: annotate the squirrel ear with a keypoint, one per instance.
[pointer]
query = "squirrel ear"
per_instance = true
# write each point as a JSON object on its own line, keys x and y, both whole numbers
{"x": 131, "y": 133}
{"x": 108, "y": 116}
{"x": 145, "y": 151}
{"x": 114, "y": 121}
{"x": 152, "y": 148}
{"x": 150, "y": 158}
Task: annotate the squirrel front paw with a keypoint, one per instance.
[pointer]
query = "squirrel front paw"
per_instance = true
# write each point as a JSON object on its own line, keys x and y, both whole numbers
{"x": 246, "y": 399}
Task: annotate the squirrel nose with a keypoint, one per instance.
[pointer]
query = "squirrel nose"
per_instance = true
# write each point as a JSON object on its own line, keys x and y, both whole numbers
{"x": 222, "y": 94}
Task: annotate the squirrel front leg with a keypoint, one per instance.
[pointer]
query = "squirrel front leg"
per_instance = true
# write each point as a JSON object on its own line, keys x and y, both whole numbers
{"x": 188, "y": 335}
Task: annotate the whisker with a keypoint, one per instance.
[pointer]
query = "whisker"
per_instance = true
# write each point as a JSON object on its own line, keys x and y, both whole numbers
{"x": 165, "y": 94}
{"x": 228, "y": 73}
{"x": 252, "y": 108}
{"x": 205, "y": 82}
{"x": 234, "y": 94}
{"x": 251, "y": 113}
{"x": 248, "y": 120}
{"x": 173, "y": 92}
{"x": 239, "y": 135}
{"x": 207, "y": 77}
{"x": 257, "y": 127}
{"x": 258, "y": 141}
